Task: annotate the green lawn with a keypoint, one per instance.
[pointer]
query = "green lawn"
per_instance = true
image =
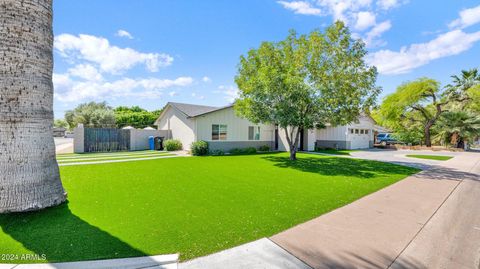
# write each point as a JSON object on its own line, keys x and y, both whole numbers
{"x": 431, "y": 157}
{"x": 192, "y": 206}
{"x": 82, "y": 159}
{"x": 335, "y": 151}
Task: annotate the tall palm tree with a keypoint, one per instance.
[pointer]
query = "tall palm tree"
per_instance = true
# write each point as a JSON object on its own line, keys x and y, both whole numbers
{"x": 29, "y": 176}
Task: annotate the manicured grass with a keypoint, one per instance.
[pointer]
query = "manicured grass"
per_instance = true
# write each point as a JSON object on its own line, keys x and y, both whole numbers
{"x": 335, "y": 152}
{"x": 84, "y": 155}
{"x": 111, "y": 158}
{"x": 431, "y": 157}
{"x": 192, "y": 206}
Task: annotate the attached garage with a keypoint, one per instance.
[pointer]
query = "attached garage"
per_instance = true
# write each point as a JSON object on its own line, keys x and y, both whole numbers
{"x": 360, "y": 138}
{"x": 357, "y": 135}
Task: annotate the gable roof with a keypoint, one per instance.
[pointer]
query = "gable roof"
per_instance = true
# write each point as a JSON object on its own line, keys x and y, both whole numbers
{"x": 192, "y": 110}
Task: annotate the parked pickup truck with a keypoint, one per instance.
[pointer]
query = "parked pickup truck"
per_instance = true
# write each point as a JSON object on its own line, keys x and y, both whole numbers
{"x": 386, "y": 139}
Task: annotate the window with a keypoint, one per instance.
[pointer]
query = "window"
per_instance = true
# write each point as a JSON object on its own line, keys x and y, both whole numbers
{"x": 361, "y": 131}
{"x": 352, "y": 131}
{"x": 366, "y": 131}
{"x": 253, "y": 132}
{"x": 219, "y": 132}
{"x": 356, "y": 131}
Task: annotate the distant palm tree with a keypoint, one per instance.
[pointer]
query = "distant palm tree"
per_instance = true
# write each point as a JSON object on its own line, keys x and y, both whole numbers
{"x": 458, "y": 89}
{"x": 29, "y": 176}
{"x": 456, "y": 128}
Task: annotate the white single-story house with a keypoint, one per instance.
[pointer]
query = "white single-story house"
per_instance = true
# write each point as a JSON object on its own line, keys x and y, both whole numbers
{"x": 224, "y": 130}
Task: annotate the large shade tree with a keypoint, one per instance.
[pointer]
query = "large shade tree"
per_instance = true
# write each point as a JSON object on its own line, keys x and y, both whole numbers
{"x": 29, "y": 175}
{"x": 92, "y": 114}
{"x": 414, "y": 103}
{"x": 306, "y": 81}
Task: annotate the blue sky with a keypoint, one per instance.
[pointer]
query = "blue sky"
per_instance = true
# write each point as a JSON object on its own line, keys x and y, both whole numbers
{"x": 149, "y": 52}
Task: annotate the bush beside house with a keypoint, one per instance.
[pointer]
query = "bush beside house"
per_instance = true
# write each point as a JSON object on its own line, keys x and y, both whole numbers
{"x": 173, "y": 144}
{"x": 199, "y": 148}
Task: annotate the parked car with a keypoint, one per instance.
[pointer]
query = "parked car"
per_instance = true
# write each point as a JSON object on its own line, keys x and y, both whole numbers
{"x": 385, "y": 139}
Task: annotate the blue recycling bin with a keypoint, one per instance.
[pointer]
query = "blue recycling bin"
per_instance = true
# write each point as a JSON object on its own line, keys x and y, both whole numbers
{"x": 151, "y": 142}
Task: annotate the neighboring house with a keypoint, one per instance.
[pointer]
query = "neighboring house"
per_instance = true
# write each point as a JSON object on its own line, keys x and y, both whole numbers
{"x": 224, "y": 130}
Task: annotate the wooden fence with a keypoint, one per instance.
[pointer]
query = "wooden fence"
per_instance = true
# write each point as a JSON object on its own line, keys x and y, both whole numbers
{"x": 106, "y": 140}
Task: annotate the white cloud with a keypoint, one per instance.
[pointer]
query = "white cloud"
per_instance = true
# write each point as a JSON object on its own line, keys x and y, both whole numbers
{"x": 69, "y": 89}
{"x": 365, "y": 20}
{"x": 301, "y": 7}
{"x": 111, "y": 59}
{"x": 206, "y": 79}
{"x": 371, "y": 38}
{"x": 86, "y": 71}
{"x": 344, "y": 10}
{"x": 173, "y": 93}
{"x": 389, "y": 4}
{"x": 123, "y": 33}
{"x": 416, "y": 55}
{"x": 230, "y": 93}
{"x": 467, "y": 18}
{"x": 360, "y": 15}
{"x": 195, "y": 95}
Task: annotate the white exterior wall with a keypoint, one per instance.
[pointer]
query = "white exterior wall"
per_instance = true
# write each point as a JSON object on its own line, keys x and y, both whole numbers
{"x": 337, "y": 133}
{"x": 237, "y": 128}
{"x": 309, "y": 140}
{"x": 139, "y": 138}
{"x": 178, "y": 126}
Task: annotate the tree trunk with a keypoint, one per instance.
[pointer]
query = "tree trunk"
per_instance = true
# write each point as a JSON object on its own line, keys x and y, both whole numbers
{"x": 428, "y": 141}
{"x": 29, "y": 176}
{"x": 293, "y": 153}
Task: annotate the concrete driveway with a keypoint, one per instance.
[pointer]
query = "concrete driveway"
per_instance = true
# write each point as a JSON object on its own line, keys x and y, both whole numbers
{"x": 428, "y": 220}
{"x": 399, "y": 157}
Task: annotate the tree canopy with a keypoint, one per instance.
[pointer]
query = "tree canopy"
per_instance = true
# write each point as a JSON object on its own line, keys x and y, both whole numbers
{"x": 306, "y": 81}
{"x": 135, "y": 116}
{"x": 100, "y": 115}
{"x": 92, "y": 114}
{"x": 413, "y": 103}
{"x": 420, "y": 109}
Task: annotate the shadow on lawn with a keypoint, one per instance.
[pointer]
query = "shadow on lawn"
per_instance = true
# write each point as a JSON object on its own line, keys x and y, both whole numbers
{"x": 335, "y": 166}
{"x": 61, "y": 236}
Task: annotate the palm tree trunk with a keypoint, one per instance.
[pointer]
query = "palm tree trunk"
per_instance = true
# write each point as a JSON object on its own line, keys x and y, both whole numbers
{"x": 29, "y": 176}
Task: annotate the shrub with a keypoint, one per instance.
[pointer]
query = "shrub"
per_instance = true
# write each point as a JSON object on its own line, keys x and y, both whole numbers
{"x": 264, "y": 148}
{"x": 199, "y": 148}
{"x": 235, "y": 151}
{"x": 172, "y": 144}
{"x": 217, "y": 152}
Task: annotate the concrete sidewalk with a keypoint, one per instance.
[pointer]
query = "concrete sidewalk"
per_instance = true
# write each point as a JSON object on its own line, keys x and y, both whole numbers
{"x": 373, "y": 231}
{"x": 153, "y": 262}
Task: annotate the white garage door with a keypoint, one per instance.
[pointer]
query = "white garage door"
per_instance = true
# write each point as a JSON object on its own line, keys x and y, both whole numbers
{"x": 360, "y": 139}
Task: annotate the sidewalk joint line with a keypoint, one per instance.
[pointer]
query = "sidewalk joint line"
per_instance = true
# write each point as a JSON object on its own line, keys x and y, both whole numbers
{"x": 434, "y": 213}
{"x": 304, "y": 262}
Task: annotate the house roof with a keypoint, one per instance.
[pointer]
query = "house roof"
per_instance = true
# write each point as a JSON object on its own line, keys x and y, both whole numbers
{"x": 193, "y": 110}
